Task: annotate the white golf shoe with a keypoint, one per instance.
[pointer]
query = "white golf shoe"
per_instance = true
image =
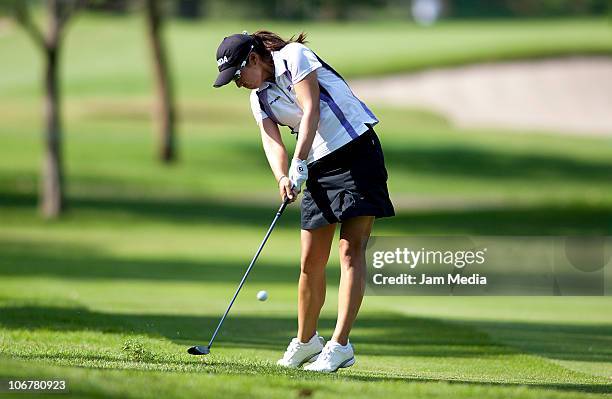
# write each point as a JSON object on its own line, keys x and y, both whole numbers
{"x": 333, "y": 357}
{"x": 298, "y": 353}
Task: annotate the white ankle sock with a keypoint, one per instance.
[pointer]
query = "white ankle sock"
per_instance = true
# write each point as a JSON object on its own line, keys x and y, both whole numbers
{"x": 336, "y": 343}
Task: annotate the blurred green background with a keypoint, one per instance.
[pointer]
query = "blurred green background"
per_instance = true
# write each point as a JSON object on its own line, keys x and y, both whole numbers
{"x": 147, "y": 254}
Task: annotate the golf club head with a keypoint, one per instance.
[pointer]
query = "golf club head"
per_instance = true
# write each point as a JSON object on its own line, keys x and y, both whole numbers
{"x": 198, "y": 350}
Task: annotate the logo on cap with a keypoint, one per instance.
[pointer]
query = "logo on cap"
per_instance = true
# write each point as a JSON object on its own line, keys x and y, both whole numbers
{"x": 222, "y": 61}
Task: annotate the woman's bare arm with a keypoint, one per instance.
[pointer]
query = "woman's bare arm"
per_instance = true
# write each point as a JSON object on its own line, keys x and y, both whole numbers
{"x": 276, "y": 154}
{"x": 307, "y": 92}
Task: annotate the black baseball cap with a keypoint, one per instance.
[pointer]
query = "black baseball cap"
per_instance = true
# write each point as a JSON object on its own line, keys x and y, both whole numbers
{"x": 232, "y": 51}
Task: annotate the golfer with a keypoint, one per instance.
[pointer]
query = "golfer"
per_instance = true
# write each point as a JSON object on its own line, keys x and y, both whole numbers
{"x": 338, "y": 165}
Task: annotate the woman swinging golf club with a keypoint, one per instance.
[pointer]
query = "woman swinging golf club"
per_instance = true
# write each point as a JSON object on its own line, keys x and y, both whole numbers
{"x": 339, "y": 158}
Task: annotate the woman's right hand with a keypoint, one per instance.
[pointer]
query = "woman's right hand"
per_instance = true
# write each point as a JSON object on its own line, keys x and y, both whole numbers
{"x": 285, "y": 188}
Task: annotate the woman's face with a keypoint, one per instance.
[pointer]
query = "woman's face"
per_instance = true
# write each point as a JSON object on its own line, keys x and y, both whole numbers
{"x": 253, "y": 74}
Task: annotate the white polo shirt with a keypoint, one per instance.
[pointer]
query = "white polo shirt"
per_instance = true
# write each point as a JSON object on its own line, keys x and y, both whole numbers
{"x": 343, "y": 116}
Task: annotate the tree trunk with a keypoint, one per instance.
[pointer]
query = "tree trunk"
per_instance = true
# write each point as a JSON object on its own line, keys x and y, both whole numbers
{"x": 165, "y": 112}
{"x": 52, "y": 187}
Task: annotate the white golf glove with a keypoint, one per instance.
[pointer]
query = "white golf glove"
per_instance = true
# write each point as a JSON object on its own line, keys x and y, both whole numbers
{"x": 298, "y": 174}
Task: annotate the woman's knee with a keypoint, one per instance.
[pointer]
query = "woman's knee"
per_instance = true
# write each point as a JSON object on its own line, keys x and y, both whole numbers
{"x": 316, "y": 245}
{"x": 351, "y": 250}
{"x": 313, "y": 263}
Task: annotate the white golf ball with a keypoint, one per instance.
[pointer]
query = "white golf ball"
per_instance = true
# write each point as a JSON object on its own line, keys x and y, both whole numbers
{"x": 262, "y": 295}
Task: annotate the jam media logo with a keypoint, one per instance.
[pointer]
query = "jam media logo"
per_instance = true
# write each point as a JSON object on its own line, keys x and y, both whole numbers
{"x": 490, "y": 265}
{"x": 424, "y": 265}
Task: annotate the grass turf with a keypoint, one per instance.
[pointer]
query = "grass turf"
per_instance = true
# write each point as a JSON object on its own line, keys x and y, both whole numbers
{"x": 147, "y": 256}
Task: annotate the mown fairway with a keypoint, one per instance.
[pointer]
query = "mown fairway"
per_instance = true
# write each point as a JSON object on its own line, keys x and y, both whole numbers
{"x": 147, "y": 256}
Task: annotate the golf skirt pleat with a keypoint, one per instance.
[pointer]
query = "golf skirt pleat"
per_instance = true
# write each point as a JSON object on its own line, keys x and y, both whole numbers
{"x": 349, "y": 182}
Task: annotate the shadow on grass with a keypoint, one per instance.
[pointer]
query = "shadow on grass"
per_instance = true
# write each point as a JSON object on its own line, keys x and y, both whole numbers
{"x": 577, "y": 219}
{"x": 379, "y": 335}
{"x": 179, "y": 211}
{"x": 554, "y": 341}
{"x": 520, "y": 220}
{"x": 84, "y": 262}
{"x": 375, "y": 335}
{"x": 496, "y": 165}
{"x": 586, "y": 388}
{"x": 474, "y": 162}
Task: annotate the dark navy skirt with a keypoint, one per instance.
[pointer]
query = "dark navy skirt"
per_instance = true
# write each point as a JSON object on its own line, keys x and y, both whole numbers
{"x": 349, "y": 182}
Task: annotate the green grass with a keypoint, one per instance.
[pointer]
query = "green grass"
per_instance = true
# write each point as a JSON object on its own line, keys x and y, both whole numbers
{"x": 147, "y": 256}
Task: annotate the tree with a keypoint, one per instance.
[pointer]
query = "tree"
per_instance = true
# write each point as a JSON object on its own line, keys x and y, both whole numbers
{"x": 166, "y": 113}
{"x": 51, "y": 198}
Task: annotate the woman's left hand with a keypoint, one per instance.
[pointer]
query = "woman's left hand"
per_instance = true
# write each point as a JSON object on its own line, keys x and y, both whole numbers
{"x": 285, "y": 187}
{"x": 298, "y": 174}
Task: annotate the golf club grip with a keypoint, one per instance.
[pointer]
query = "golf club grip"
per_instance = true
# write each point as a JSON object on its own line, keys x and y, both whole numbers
{"x": 283, "y": 206}
{"x": 246, "y": 274}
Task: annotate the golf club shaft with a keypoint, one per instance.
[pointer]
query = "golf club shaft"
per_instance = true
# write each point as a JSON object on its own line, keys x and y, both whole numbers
{"x": 278, "y": 214}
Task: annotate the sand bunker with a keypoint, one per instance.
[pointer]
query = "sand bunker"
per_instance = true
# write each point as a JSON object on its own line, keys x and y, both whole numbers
{"x": 569, "y": 95}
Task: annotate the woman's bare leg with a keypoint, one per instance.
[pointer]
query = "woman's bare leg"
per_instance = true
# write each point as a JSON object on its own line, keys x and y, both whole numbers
{"x": 316, "y": 245}
{"x": 354, "y": 235}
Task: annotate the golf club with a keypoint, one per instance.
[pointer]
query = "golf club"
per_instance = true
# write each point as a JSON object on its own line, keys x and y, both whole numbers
{"x": 205, "y": 349}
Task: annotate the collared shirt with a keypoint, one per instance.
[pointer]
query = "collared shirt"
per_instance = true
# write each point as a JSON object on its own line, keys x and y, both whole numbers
{"x": 343, "y": 117}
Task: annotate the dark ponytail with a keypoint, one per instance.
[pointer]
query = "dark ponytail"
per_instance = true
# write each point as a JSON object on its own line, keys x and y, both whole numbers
{"x": 266, "y": 41}
{"x": 273, "y": 42}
